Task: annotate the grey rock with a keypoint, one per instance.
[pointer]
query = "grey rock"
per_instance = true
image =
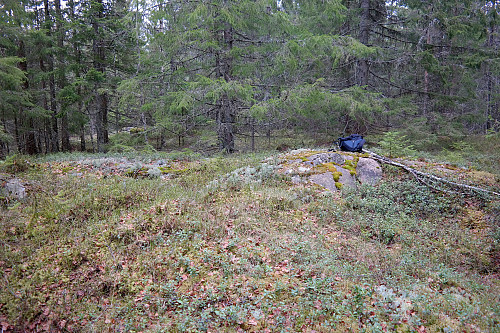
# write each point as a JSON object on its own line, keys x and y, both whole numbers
{"x": 368, "y": 171}
{"x": 297, "y": 161}
{"x": 326, "y": 180}
{"x": 298, "y": 151}
{"x": 15, "y": 188}
{"x": 303, "y": 169}
{"x": 75, "y": 174}
{"x": 160, "y": 162}
{"x": 326, "y": 158}
{"x": 296, "y": 180}
{"x": 346, "y": 179}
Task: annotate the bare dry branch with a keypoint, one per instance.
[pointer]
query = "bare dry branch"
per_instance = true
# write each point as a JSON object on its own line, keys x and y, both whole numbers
{"x": 420, "y": 176}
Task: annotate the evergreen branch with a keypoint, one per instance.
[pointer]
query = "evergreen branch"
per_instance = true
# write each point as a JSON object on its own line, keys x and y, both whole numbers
{"x": 405, "y": 89}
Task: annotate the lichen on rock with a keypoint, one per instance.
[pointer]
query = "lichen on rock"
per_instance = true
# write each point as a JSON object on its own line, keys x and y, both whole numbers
{"x": 368, "y": 171}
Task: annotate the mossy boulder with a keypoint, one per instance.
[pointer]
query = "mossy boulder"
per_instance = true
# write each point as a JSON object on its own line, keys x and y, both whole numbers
{"x": 368, "y": 171}
{"x": 329, "y": 157}
{"x": 334, "y": 170}
{"x": 334, "y": 181}
{"x": 325, "y": 180}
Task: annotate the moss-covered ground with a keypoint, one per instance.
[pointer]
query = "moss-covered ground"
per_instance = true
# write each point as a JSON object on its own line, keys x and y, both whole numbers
{"x": 227, "y": 244}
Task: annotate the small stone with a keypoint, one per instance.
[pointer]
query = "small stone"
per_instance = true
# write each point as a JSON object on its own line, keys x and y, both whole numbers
{"x": 296, "y": 180}
{"x": 15, "y": 188}
{"x": 75, "y": 174}
{"x": 303, "y": 169}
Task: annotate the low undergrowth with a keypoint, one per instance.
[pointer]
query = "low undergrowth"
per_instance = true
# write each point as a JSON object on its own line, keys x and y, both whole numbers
{"x": 228, "y": 244}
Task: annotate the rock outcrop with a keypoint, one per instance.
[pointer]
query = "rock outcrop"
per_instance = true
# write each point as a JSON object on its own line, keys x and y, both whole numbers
{"x": 368, "y": 171}
{"x": 14, "y": 188}
{"x": 333, "y": 170}
{"x": 322, "y": 158}
{"x": 324, "y": 179}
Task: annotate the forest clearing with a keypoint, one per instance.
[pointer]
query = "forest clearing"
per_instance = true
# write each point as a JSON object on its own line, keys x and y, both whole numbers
{"x": 165, "y": 166}
{"x": 176, "y": 242}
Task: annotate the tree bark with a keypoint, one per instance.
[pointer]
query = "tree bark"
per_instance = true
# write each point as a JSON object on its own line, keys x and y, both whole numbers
{"x": 82, "y": 139}
{"x": 489, "y": 75}
{"x": 54, "y": 134}
{"x": 225, "y": 125}
{"x": 364, "y": 37}
{"x": 78, "y": 59}
{"x": 98, "y": 48}
{"x": 426, "y": 74}
{"x": 65, "y": 144}
{"x": 17, "y": 137}
{"x": 225, "y": 112}
{"x": 29, "y": 137}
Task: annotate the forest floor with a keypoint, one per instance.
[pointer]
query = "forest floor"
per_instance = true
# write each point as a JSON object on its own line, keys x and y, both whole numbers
{"x": 180, "y": 243}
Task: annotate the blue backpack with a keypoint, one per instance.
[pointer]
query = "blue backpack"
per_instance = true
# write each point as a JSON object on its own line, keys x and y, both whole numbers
{"x": 353, "y": 143}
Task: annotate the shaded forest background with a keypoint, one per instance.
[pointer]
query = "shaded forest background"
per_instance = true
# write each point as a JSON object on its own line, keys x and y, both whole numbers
{"x": 226, "y": 75}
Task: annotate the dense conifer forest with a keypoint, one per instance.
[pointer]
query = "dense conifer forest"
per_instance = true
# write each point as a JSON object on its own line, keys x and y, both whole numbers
{"x": 166, "y": 166}
{"x": 228, "y": 75}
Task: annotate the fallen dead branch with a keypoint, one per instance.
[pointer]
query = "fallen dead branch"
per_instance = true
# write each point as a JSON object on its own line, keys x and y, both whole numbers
{"x": 427, "y": 178}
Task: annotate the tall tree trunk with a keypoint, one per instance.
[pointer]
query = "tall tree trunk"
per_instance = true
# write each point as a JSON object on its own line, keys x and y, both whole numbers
{"x": 29, "y": 137}
{"x": 4, "y": 144}
{"x": 489, "y": 75}
{"x": 102, "y": 121}
{"x": 45, "y": 105}
{"x": 426, "y": 75}
{"x": 17, "y": 136}
{"x": 65, "y": 144}
{"x": 364, "y": 37}
{"x": 225, "y": 124}
{"x": 82, "y": 139}
{"x": 78, "y": 59}
{"x": 100, "y": 65}
{"x": 226, "y": 110}
{"x": 54, "y": 137}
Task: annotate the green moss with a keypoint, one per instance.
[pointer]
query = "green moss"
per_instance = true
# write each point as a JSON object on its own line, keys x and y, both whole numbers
{"x": 121, "y": 148}
{"x": 304, "y": 156}
{"x": 352, "y": 170}
{"x": 15, "y": 164}
{"x": 166, "y": 170}
{"x": 352, "y": 163}
{"x": 66, "y": 169}
{"x": 111, "y": 251}
{"x": 336, "y": 176}
{"x": 325, "y": 167}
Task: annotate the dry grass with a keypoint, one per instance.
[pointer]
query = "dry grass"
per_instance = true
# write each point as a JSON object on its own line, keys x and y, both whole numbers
{"x": 213, "y": 249}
